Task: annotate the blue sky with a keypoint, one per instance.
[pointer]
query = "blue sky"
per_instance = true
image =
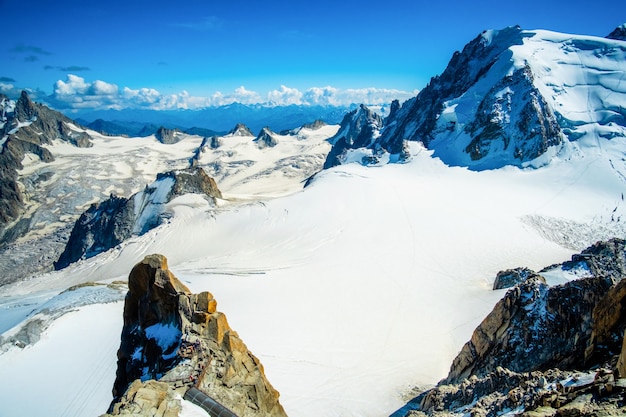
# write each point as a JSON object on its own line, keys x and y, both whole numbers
{"x": 187, "y": 51}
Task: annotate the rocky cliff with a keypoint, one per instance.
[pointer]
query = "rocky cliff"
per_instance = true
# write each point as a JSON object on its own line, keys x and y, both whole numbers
{"x": 25, "y": 126}
{"x": 173, "y": 340}
{"x": 526, "y": 353}
{"x": 107, "y": 224}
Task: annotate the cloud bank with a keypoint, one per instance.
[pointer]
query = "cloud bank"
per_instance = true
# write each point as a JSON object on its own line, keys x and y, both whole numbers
{"x": 77, "y": 94}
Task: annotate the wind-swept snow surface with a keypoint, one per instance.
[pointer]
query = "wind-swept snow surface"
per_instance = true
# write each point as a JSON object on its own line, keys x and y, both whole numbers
{"x": 351, "y": 291}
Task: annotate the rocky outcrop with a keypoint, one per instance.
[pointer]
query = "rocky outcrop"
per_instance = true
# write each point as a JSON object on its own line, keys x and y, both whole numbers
{"x": 619, "y": 33}
{"x": 181, "y": 340}
{"x": 25, "y": 128}
{"x": 168, "y": 136}
{"x": 358, "y": 129}
{"x": 316, "y": 125}
{"x": 534, "y": 327}
{"x": 511, "y": 277}
{"x": 102, "y": 227}
{"x": 531, "y": 394}
{"x": 524, "y": 354}
{"x": 107, "y": 224}
{"x": 150, "y": 398}
{"x": 266, "y": 138}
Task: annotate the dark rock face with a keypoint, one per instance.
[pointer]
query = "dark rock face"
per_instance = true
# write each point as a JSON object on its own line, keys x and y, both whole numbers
{"x": 358, "y": 129}
{"x": 25, "y": 130}
{"x": 100, "y": 228}
{"x": 511, "y": 277}
{"x": 318, "y": 124}
{"x": 619, "y": 33}
{"x": 167, "y": 136}
{"x": 181, "y": 340}
{"x": 536, "y": 130}
{"x": 106, "y": 225}
{"x": 266, "y": 139}
{"x": 215, "y": 143}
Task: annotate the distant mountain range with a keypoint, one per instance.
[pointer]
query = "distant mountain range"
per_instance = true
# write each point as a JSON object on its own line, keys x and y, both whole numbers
{"x": 209, "y": 121}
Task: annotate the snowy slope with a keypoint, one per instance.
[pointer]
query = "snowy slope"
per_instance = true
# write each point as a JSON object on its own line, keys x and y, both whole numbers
{"x": 61, "y": 190}
{"x": 365, "y": 283}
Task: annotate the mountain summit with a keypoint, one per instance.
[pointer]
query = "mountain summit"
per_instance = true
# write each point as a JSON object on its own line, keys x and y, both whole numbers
{"x": 512, "y": 96}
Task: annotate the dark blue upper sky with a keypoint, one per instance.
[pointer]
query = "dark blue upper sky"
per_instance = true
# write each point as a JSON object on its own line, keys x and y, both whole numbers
{"x": 204, "y": 47}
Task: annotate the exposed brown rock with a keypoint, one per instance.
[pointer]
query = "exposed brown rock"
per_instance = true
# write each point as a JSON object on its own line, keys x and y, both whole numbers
{"x": 533, "y": 327}
{"x": 150, "y": 398}
{"x": 216, "y": 360}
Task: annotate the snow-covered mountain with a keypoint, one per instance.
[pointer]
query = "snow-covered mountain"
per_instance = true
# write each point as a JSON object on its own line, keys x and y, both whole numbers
{"x": 517, "y": 97}
{"x": 369, "y": 281}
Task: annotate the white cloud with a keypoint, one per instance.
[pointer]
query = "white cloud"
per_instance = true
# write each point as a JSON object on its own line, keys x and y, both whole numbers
{"x": 285, "y": 96}
{"x": 6, "y": 88}
{"x": 73, "y": 86}
{"x": 76, "y": 93}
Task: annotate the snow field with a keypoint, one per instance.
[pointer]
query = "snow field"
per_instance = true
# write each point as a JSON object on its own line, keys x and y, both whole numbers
{"x": 351, "y": 291}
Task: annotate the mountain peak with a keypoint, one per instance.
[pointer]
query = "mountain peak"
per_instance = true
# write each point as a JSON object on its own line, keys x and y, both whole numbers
{"x": 266, "y": 138}
{"x": 619, "y": 33}
{"x": 510, "y": 97}
{"x": 241, "y": 130}
{"x": 25, "y": 109}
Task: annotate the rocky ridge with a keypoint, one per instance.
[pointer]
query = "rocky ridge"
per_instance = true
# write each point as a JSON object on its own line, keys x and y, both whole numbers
{"x": 528, "y": 354}
{"x": 107, "y": 224}
{"x": 173, "y": 340}
{"x": 25, "y": 127}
